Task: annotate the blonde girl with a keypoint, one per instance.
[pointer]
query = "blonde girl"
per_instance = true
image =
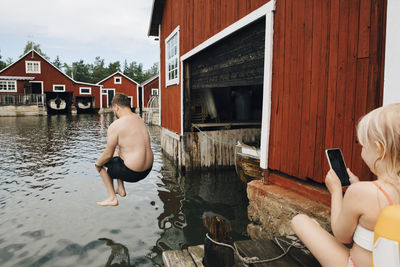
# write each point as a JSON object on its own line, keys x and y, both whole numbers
{"x": 354, "y": 215}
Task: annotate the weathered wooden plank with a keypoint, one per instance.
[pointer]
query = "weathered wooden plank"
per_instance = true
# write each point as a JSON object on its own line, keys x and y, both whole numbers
{"x": 352, "y": 46}
{"x": 364, "y": 31}
{"x": 357, "y": 165}
{"x": 236, "y": 61}
{"x": 333, "y": 73}
{"x": 177, "y": 258}
{"x": 197, "y": 254}
{"x": 277, "y": 87}
{"x": 286, "y": 87}
{"x": 306, "y": 140}
{"x": 295, "y": 91}
{"x": 319, "y": 82}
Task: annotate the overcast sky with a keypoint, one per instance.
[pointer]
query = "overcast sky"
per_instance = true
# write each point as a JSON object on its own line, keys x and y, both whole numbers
{"x": 79, "y": 29}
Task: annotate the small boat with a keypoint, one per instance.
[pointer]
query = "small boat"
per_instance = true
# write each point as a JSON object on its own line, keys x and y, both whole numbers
{"x": 86, "y": 105}
{"x": 58, "y": 103}
{"x": 247, "y": 163}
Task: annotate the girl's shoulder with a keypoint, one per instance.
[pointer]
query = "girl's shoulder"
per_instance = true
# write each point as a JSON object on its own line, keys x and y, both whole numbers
{"x": 360, "y": 193}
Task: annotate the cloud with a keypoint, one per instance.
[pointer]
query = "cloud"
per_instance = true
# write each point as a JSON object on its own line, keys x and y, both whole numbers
{"x": 119, "y": 25}
{"x": 76, "y": 20}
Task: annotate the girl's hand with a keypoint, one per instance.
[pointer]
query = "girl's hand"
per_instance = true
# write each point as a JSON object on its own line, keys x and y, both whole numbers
{"x": 353, "y": 178}
{"x": 332, "y": 182}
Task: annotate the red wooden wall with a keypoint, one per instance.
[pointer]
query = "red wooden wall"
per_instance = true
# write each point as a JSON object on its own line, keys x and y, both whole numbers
{"x": 147, "y": 91}
{"x": 327, "y": 72}
{"x": 126, "y": 87}
{"x": 49, "y": 75}
{"x": 198, "y": 20}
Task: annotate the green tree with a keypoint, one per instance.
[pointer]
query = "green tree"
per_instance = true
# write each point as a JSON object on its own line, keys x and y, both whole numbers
{"x": 114, "y": 67}
{"x": 99, "y": 71}
{"x": 153, "y": 71}
{"x": 82, "y": 71}
{"x": 3, "y": 64}
{"x": 57, "y": 63}
{"x": 32, "y": 45}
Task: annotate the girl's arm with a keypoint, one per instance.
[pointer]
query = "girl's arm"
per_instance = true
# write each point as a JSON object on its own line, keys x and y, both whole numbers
{"x": 345, "y": 211}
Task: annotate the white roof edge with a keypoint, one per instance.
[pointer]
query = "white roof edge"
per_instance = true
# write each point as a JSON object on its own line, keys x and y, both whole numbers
{"x": 33, "y": 50}
{"x": 151, "y": 18}
{"x": 17, "y": 77}
{"x": 118, "y": 72}
{"x": 149, "y": 80}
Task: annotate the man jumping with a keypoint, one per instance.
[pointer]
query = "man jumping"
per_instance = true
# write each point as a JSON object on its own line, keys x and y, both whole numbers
{"x": 128, "y": 156}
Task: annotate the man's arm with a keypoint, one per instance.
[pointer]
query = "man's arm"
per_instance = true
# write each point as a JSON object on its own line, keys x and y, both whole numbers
{"x": 112, "y": 141}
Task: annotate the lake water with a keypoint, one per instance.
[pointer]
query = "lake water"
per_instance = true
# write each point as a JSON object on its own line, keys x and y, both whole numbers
{"x": 49, "y": 188}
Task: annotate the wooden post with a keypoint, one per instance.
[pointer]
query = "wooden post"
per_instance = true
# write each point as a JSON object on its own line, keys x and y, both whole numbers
{"x": 186, "y": 98}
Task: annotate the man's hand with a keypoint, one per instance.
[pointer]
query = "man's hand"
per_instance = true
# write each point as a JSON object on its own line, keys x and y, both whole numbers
{"x": 98, "y": 168}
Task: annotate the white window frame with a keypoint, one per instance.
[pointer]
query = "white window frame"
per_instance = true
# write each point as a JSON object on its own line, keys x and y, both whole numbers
{"x": 33, "y": 68}
{"x": 131, "y": 98}
{"x": 154, "y": 90}
{"x": 54, "y": 86}
{"x": 80, "y": 90}
{"x": 7, "y": 82}
{"x": 175, "y": 80}
{"x": 120, "y": 80}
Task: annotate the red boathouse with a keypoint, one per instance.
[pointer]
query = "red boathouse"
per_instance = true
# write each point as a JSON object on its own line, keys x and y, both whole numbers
{"x": 34, "y": 79}
{"x": 119, "y": 83}
{"x": 290, "y": 76}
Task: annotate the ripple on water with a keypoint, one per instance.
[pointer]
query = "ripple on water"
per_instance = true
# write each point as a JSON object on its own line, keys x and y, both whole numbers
{"x": 48, "y": 189}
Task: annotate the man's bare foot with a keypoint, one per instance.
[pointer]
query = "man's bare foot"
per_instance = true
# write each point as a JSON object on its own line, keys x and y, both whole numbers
{"x": 120, "y": 192}
{"x": 108, "y": 202}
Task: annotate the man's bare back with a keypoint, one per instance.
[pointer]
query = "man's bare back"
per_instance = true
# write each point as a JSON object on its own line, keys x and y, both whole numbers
{"x": 133, "y": 142}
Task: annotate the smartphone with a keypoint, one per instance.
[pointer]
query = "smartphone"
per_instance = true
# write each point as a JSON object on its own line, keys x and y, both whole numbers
{"x": 336, "y": 162}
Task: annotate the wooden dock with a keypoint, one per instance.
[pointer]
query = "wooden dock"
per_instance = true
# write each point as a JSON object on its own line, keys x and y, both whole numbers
{"x": 263, "y": 249}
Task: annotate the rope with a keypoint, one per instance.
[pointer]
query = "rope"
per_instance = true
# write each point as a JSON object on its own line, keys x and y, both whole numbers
{"x": 212, "y": 138}
{"x": 253, "y": 260}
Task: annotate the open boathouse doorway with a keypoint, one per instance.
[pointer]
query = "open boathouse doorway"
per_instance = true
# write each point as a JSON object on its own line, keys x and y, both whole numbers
{"x": 223, "y": 98}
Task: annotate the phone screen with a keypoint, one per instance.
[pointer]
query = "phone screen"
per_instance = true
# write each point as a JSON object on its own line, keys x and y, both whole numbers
{"x": 335, "y": 159}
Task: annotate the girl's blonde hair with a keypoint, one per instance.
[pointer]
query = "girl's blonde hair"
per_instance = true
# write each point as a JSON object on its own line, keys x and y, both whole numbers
{"x": 383, "y": 125}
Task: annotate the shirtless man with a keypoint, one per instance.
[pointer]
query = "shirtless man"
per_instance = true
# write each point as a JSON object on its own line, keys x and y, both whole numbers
{"x": 133, "y": 159}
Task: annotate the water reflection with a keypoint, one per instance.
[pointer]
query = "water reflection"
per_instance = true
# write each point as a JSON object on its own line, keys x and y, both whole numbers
{"x": 48, "y": 189}
{"x": 119, "y": 254}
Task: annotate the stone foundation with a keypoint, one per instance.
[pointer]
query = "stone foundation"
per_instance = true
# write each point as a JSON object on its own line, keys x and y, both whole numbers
{"x": 271, "y": 208}
{"x": 23, "y": 110}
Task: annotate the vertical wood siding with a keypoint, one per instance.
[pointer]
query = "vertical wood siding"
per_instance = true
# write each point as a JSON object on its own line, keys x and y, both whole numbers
{"x": 327, "y": 73}
{"x": 199, "y": 20}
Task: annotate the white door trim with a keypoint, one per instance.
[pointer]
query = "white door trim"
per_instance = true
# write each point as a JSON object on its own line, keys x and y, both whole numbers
{"x": 391, "y": 92}
{"x": 266, "y": 10}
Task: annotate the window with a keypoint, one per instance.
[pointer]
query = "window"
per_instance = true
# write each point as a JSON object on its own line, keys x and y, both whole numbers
{"x": 59, "y": 88}
{"x": 32, "y": 66}
{"x": 117, "y": 80}
{"x": 85, "y": 90}
{"x": 8, "y": 86}
{"x": 104, "y": 91}
{"x": 172, "y": 57}
{"x": 154, "y": 91}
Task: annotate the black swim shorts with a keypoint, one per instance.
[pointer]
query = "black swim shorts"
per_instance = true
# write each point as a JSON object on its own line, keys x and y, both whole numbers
{"x": 117, "y": 170}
